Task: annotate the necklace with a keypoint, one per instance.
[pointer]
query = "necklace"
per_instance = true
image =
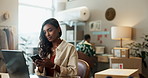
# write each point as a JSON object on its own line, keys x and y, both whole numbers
{"x": 53, "y": 50}
{"x": 55, "y": 45}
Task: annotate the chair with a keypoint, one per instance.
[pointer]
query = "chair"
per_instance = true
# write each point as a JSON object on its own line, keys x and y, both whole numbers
{"x": 141, "y": 75}
{"x": 90, "y": 60}
{"x": 83, "y": 69}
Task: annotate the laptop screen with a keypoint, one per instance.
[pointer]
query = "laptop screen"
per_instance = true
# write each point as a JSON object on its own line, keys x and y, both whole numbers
{"x": 15, "y": 63}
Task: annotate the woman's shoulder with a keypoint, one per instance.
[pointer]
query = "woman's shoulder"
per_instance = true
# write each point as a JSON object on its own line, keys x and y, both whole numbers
{"x": 66, "y": 46}
{"x": 67, "y": 43}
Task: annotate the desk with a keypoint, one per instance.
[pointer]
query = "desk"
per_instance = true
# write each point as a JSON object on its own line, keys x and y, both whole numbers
{"x": 104, "y": 57}
{"x": 6, "y": 75}
{"x": 127, "y": 63}
{"x": 35, "y": 76}
{"x": 103, "y": 61}
{"x": 116, "y": 73}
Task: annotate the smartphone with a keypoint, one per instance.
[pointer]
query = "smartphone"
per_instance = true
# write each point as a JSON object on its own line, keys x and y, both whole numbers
{"x": 34, "y": 57}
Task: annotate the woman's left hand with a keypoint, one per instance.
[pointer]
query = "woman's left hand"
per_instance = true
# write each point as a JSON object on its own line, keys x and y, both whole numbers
{"x": 47, "y": 63}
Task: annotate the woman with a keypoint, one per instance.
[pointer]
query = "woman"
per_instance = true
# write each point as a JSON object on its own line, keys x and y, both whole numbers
{"x": 59, "y": 58}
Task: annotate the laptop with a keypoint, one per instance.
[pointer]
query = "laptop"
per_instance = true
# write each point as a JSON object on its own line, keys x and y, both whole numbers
{"x": 16, "y": 64}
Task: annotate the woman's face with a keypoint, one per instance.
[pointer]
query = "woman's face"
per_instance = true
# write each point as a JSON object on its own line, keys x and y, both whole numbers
{"x": 51, "y": 32}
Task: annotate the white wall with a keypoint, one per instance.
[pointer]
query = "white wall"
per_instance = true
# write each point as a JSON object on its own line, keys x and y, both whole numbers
{"x": 131, "y": 13}
{"x": 12, "y": 8}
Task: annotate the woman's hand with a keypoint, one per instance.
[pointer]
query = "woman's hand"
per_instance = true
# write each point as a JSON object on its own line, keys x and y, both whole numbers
{"x": 38, "y": 62}
{"x": 47, "y": 63}
{"x": 44, "y": 63}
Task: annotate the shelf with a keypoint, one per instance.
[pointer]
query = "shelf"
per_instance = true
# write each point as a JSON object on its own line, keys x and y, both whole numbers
{"x": 72, "y": 34}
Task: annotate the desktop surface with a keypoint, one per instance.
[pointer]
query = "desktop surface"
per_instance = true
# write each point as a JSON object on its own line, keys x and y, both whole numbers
{"x": 6, "y": 75}
{"x": 116, "y": 73}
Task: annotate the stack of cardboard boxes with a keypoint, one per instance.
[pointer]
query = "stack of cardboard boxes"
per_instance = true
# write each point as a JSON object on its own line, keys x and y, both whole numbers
{"x": 122, "y": 60}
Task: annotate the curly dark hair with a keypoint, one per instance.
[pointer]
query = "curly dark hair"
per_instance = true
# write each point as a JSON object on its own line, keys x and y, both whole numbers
{"x": 44, "y": 44}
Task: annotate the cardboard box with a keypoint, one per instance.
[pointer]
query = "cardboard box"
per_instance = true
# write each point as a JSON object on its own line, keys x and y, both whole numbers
{"x": 121, "y": 52}
{"x": 116, "y": 73}
{"x": 104, "y": 57}
{"x": 100, "y": 49}
{"x": 127, "y": 63}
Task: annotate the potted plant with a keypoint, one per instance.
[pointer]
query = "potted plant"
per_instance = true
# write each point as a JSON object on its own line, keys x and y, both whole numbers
{"x": 139, "y": 49}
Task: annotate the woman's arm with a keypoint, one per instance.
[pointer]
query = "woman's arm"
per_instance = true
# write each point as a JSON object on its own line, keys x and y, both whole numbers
{"x": 56, "y": 68}
{"x": 40, "y": 69}
{"x": 72, "y": 62}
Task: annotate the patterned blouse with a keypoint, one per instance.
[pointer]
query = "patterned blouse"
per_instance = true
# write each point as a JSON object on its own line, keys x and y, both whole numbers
{"x": 86, "y": 48}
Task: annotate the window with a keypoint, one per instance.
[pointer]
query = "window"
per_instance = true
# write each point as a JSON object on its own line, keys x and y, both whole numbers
{"x": 32, "y": 13}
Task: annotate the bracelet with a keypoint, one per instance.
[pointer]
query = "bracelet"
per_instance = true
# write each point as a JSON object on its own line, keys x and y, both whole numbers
{"x": 54, "y": 66}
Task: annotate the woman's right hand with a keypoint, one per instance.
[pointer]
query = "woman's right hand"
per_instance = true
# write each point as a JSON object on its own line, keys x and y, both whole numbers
{"x": 38, "y": 62}
{"x": 44, "y": 63}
